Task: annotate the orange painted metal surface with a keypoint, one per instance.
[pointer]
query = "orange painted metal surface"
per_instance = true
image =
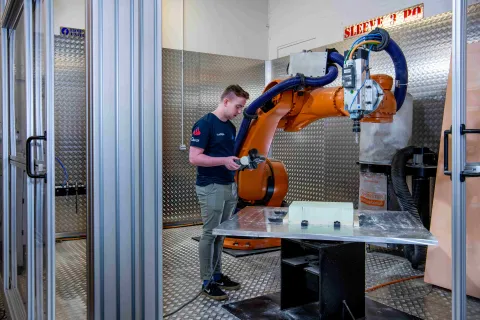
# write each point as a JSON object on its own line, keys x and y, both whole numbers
{"x": 292, "y": 111}
{"x": 251, "y": 244}
{"x": 280, "y": 177}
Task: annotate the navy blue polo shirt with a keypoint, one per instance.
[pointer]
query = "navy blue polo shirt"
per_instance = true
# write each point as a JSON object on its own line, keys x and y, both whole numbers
{"x": 217, "y": 138}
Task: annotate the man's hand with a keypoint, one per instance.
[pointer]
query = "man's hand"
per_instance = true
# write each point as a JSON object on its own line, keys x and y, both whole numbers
{"x": 197, "y": 158}
{"x": 231, "y": 164}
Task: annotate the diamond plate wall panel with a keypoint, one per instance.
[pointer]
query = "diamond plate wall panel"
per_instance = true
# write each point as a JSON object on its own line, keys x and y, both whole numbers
{"x": 205, "y": 77}
{"x": 303, "y": 154}
{"x": 427, "y": 47}
{"x": 70, "y": 130}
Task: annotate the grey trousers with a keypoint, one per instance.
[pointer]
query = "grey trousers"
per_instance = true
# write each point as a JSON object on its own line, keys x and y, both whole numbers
{"x": 217, "y": 204}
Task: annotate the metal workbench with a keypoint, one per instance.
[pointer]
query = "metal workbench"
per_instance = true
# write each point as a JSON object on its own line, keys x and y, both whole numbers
{"x": 332, "y": 263}
{"x": 397, "y": 227}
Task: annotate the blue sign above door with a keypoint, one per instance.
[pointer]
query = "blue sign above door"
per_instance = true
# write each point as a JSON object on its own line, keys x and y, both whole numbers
{"x": 72, "y": 32}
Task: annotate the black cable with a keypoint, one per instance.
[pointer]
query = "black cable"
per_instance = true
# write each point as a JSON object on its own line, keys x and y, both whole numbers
{"x": 198, "y": 294}
{"x": 399, "y": 182}
{"x": 416, "y": 254}
{"x": 183, "y": 306}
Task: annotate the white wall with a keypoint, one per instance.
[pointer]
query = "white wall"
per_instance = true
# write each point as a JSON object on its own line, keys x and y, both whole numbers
{"x": 68, "y": 13}
{"x": 227, "y": 27}
{"x": 316, "y": 23}
{"x": 258, "y": 29}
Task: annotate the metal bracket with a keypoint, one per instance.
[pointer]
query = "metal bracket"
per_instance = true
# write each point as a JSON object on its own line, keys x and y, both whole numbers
{"x": 249, "y": 116}
{"x": 301, "y": 86}
{"x": 463, "y": 131}
{"x": 76, "y": 189}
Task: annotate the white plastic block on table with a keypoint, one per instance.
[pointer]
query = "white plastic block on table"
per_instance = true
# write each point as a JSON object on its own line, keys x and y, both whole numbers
{"x": 321, "y": 213}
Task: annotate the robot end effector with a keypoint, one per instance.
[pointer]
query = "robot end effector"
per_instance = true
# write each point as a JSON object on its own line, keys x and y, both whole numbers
{"x": 366, "y": 98}
{"x": 251, "y": 160}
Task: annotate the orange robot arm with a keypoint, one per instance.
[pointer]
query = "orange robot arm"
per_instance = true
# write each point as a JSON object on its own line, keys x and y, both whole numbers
{"x": 293, "y": 110}
{"x": 294, "y": 103}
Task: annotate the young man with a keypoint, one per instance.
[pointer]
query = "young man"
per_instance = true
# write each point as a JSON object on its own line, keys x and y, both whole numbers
{"x": 211, "y": 150}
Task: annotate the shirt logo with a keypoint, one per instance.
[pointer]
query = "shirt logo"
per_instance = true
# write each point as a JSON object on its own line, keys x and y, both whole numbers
{"x": 194, "y": 140}
{"x": 220, "y": 134}
{"x": 197, "y": 132}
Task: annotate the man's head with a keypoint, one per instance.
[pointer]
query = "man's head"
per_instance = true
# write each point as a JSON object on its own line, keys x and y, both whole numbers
{"x": 232, "y": 102}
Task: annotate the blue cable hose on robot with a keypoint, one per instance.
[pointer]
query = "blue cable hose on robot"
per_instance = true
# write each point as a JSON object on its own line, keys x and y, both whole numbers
{"x": 401, "y": 72}
{"x": 283, "y": 86}
{"x": 336, "y": 58}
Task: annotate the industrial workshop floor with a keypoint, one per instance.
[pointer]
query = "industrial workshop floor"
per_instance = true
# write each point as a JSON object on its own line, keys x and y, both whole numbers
{"x": 71, "y": 286}
{"x": 259, "y": 275}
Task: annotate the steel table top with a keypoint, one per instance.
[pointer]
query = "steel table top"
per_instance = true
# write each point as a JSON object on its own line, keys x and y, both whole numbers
{"x": 397, "y": 227}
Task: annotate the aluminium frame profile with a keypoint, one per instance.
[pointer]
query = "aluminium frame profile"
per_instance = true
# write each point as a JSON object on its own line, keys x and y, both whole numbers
{"x": 11, "y": 13}
{"x": 459, "y": 43}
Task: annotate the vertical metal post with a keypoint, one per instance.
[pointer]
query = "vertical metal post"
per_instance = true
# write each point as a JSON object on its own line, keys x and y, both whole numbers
{"x": 158, "y": 165}
{"x": 458, "y": 160}
{"x": 49, "y": 104}
{"x": 100, "y": 156}
{"x": 13, "y": 173}
{"x": 27, "y": 7}
{"x": 133, "y": 158}
{"x": 39, "y": 183}
{"x": 90, "y": 162}
{"x": 5, "y": 156}
{"x": 141, "y": 108}
{"x": 117, "y": 153}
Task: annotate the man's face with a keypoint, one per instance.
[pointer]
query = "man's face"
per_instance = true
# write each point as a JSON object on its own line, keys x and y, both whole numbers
{"x": 233, "y": 106}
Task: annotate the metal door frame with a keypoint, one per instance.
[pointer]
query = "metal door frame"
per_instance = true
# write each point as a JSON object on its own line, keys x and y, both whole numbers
{"x": 42, "y": 35}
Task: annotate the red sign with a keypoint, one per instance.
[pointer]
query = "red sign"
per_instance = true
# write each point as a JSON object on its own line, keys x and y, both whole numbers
{"x": 391, "y": 19}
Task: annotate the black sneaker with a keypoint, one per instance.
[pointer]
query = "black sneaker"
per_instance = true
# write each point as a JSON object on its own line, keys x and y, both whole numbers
{"x": 213, "y": 291}
{"x": 227, "y": 284}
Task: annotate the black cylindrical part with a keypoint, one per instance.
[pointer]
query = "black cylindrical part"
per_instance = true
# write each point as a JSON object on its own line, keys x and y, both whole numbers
{"x": 400, "y": 186}
{"x": 421, "y": 197}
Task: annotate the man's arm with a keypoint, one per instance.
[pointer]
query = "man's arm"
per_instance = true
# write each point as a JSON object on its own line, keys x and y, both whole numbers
{"x": 197, "y": 158}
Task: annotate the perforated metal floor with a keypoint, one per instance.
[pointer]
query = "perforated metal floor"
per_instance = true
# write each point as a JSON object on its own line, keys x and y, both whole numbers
{"x": 259, "y": 275}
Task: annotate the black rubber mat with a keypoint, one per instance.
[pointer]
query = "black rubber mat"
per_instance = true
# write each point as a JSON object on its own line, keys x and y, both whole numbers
{"x": 268, "y": 307}
{"x": 243, "y": 253}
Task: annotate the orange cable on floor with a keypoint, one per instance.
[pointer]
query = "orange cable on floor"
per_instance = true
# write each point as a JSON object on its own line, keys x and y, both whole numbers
{"x": 392, "y": 282}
